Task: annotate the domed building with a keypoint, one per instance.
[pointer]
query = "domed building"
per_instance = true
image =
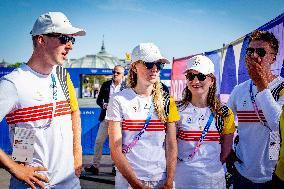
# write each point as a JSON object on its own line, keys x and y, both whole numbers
{"x": 101, "y": 60}
{"x": 4, "y": 64}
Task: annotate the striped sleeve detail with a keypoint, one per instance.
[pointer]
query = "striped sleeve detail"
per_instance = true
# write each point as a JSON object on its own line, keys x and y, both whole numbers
{"x": 278, "y": 91}
{"x": 137, "y": 125}
{"x": 250, "y": 116}
{"x": 62, "y": 77}
{"x": 36, "y": 113}
{"x": 195, "y": 135}
{"x": 223, "y": 112}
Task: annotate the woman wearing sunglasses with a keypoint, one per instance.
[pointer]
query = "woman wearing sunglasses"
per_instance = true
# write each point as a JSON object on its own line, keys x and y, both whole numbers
{"x": 205, "y": 130}
{"x": 142, "y": 129}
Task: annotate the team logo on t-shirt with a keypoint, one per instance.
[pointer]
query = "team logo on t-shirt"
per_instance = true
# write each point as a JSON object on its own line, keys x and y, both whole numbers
{"x": 134, "y": 107}
{"x": 189, "y": 119}
{"x": 146, "y": 107}
{"x": 244, "y": 103}
{"x": 38, "y": 95}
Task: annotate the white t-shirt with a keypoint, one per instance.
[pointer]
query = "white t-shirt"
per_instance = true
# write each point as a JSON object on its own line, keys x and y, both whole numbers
{"x": 252, "y": 148}
{"x": 204, "y": 169}
{"x": 31, "y": 105}
{"x": 147, "y": 157}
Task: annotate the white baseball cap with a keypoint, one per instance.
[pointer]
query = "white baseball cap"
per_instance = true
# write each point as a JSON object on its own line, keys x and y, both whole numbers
{"x": 201, "y": 64}
{"x": 55, "y": 22}
{"x": 147, "y": 52}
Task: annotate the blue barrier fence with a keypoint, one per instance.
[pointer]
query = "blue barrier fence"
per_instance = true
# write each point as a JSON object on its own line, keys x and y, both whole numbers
{"x": 90, "y": 126}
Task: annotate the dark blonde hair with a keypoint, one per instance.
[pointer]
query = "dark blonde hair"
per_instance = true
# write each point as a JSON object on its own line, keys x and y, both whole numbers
{"x": 212, "y": 100}
{"x": 157, "y": 93}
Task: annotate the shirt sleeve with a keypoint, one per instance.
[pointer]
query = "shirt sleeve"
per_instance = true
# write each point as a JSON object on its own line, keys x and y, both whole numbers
{"x": 115, "y": 112}
{"x": 229, "y": 125}
{"x": 173, "y": 112}
{"x": 270, "y": 108}
{"x": 8, "y": 97}
{"x": 72, "y": 94}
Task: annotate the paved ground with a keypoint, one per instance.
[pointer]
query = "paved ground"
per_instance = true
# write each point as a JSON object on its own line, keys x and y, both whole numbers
{"x": 103, "y": 181}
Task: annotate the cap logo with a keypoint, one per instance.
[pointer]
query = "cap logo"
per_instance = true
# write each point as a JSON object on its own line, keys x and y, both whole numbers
{"x": 196, "y": 63}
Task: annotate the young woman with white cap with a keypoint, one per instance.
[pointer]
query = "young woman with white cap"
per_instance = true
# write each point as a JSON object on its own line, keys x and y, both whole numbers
{"x": 205, "y": 130}
{"x": 141, "y": 121}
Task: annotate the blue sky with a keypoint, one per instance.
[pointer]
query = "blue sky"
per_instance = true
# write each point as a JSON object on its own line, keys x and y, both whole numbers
{"x": 179, "y": 28}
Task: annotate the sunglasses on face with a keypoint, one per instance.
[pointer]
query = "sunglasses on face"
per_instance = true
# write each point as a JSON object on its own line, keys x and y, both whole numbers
{"x": 259, "y": 51}
{"x": 114, "y": 72}
{"x": 150, "y": 65}
{"x": 191, "y": 76}
{"x": 62, "y": 38}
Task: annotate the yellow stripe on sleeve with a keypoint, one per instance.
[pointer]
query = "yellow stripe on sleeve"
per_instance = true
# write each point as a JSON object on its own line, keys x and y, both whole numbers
{"x": 72, "y": 94}
{"x": 173, "y": 112}
{"x": 281, "y": 92}
{"x": 229, "y": 125}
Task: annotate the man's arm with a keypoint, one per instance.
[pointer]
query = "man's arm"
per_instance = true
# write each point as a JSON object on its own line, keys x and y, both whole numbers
{"x": 76, "y": 127}
{"x": 115, "y": 144}
{"x": 171, "y": 154}
{"x": 270, "y": 108}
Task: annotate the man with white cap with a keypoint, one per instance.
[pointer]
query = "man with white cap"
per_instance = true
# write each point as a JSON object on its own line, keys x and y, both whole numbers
{"x": 39, "y": 102}
{"x": 141, "y": 120}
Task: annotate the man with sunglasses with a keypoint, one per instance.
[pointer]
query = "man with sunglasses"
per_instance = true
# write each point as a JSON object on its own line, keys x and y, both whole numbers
{"x": 257, "y": 103}
{"x": 107, "y": 89}
{"x": 39, "y": 102}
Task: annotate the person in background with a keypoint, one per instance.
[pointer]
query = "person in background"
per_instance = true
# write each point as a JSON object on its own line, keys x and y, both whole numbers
{"x": 141, "y": 122}
{"x": 205, "y": 131}
{"x": 108, "y": 88}
{"x": 41, "y": 109}
{"x": 257, "y": 104}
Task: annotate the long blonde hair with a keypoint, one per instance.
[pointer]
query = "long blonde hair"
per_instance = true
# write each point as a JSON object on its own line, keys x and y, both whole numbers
{"x": 157, "y": 93}
{"x": 212, "y": 100}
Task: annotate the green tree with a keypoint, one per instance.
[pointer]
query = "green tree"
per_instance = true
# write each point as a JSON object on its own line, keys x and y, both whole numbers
{"x": 16, "y": 65}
